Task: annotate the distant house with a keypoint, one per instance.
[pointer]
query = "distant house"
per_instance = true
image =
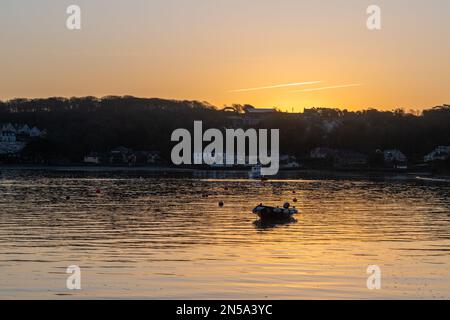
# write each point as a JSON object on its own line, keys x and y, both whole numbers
{"x": 23, "y": 130}
{"x": 250, "y": 117}
{"x": 93, "y": 158}
{"x": 254, "y": 117}
{"x": 259, "y": 111}
{"x": 35, "y": 132}
{"x": 8, "y": 127}
{"x": 8, "y": 140}
{"x": 394, "y": 156}
{"x": 440, "y": 153}
{"x": 8, "y": 136}
{"x": 289, "y": 162}
{"x": 9, "y": 143}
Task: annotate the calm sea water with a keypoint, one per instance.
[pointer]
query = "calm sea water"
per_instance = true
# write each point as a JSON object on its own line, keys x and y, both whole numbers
{"x": 164, "y": 236}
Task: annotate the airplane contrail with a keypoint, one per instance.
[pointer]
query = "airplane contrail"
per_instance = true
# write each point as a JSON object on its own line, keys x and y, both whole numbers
{"x": 330, "y": 87}
{"x": 277, "y": 86}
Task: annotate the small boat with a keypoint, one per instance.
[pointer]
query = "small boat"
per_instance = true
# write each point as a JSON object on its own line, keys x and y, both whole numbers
{"x": 272, "y": 213}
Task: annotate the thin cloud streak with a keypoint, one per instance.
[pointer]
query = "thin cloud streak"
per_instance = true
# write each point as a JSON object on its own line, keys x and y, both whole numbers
{"x": 330, "y": 87}
{"x": 277, "y": 86}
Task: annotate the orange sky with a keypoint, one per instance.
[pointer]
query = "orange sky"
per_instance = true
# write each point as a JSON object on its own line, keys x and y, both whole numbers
{"x": 207, "y": 50}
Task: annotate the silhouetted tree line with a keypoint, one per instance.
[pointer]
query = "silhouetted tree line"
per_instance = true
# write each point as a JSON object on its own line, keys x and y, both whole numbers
{"x": 367, "y": 131}
{"x": 77, "y": 126}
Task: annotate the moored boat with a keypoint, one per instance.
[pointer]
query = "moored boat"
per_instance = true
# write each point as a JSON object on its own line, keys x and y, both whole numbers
{"x": 275, "y": 213}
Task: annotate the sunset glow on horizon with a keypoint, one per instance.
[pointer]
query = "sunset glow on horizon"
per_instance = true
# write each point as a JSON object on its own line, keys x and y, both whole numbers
{"x": 289, "y": 55}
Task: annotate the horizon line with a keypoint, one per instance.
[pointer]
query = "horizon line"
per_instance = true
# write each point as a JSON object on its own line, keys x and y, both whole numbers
{"x": 379, "y": 107}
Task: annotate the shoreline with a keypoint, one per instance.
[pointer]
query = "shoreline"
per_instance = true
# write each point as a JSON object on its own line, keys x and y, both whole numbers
{"x": 160, "y": 169}
{"x": 84, "y": 168}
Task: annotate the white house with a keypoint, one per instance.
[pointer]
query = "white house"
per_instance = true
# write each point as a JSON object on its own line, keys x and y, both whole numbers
{"x": 8, "y": 127}
{"x": 11, "y": 137}
{"x": 25, "y": 130}
{"x": 21, "y": 129}
{"x": 289, "y": 162}
{"x": 394, "y": 155}
{"x": 92, "y": 158}
{"x": 8, "y": 140}
{"x": 35, "y": 132}
{"x": 253, "y": 116}
{"x": 8, "y": 136}
{"x": 440, "y": 153}
{"x": 263, "y": 111}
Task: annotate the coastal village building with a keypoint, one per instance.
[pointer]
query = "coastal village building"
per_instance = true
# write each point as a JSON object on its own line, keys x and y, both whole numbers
{"x": 92, "y": 158}
{"x": 441, "y": 153}
{"x": 8, "y": 137}
{"x": 395, "y": 159}
{"x": 253, "y": 116}
{"x": 14, "y": 137}
{"x": 391, "y": 156}
{"x": 289, "y": 162}
{"x": 25, "y": 130}
{"x": 35, "y": 132}
{"x": 249, "y": 116}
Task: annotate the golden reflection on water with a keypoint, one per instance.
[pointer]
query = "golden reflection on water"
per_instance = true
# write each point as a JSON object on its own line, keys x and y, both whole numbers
{"x": 165, "y": 236}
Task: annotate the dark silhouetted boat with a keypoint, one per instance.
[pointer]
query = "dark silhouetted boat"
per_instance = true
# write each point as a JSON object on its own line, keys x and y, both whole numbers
{"x": 275, "y": 214}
